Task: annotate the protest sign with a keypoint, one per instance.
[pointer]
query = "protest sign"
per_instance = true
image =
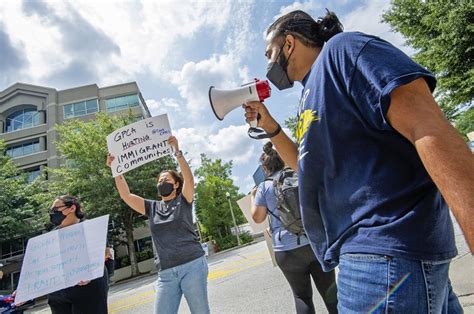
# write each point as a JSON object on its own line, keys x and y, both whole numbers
{"x": 139, "y": 143}
{"x": 245, "y": 205}
{"x": 61, "y": 258}
{"x": 246, "y": 208}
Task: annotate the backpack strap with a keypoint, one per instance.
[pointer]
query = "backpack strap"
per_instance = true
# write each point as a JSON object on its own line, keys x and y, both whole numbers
{"x": 273, "y": 214}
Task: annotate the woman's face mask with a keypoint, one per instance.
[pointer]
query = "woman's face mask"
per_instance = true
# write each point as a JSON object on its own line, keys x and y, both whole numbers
{"x": 56, "y": 216}
{"x": 165, "y": 188}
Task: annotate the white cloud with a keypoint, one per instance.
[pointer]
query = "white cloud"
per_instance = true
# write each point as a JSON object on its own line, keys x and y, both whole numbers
{"x": 367, "y": 18}
{"x": 230, "y": 143}
{"x": 145, "y": 31}
{"x": 307, "y": 6}
{"x": 195, "y": 78}
{"x": 164, "y": 105}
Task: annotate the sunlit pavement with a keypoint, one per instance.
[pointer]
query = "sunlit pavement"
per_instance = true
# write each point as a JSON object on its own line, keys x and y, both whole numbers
{"x": 244, "y": 281}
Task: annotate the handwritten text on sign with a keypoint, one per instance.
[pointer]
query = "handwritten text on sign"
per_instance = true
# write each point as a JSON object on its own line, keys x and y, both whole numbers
{"x": 61, "y": 258}
{"x": 139, "y": 143}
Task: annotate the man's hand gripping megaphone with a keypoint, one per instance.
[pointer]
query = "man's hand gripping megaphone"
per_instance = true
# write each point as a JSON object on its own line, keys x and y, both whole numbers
{"x": 250, "y": 96}
{"x": 262, "y": 124}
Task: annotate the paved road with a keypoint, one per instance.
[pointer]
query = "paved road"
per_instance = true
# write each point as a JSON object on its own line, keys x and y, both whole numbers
{"x": 244, "y": 281}
{"x": 240, "y": 281}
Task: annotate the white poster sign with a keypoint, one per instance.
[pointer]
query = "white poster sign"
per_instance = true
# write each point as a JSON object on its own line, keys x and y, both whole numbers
{"x": 246, "y": 208}
{"x": 245, "y": 205}
{"x": 139, "y": 143}
{"x": 62, "y": 258}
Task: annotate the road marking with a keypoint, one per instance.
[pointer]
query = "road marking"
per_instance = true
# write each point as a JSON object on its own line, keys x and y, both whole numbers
{"x": 223, "y": 270}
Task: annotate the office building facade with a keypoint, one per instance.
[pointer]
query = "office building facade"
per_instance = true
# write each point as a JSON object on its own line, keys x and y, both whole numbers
{"x": 28, "y": 116}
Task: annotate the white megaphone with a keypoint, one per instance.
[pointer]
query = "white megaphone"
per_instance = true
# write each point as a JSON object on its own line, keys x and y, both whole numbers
{"x": 224, "y": 101}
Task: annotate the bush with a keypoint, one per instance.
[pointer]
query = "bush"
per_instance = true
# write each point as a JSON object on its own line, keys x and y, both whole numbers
{"x": 122, "y": 261}
{"x": 230, "y": 240}
{"x": 144, "y": 255}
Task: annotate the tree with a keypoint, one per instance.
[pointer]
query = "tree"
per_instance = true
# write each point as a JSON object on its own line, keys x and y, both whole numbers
{"x": 291, "y": 123}
{"x": 20, "y": 215}
{"x": 212, "y": 207}
{"x": 86, "y": 176}
{"x": 442, "y": 33}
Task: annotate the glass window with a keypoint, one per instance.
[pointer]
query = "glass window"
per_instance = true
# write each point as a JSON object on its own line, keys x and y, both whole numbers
{"x": 23, "y": 119}
{"x": 81, "y": 108}
{"x": 121, "y": 103}
{"x": 33, "y": 173}
{"x": 23, "y": 149}
{"x": 143, "y": 244}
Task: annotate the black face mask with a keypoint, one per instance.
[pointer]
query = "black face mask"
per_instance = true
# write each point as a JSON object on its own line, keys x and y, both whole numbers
{"x": 276, "y": 72}
{"x": 165, "y": 188}
{"x": 57, "y": 218}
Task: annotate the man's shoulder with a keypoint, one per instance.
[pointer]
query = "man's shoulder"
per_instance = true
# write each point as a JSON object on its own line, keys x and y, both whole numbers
{"x": 349, "y": 41}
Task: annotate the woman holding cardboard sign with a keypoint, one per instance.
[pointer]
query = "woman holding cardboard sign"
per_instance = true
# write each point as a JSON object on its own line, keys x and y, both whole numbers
{"x": 183, "y": 267}
{"x": 87, "y": 296}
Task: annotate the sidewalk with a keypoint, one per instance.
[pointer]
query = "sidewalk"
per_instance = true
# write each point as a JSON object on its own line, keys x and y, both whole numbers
{"x": 462, "y": 272}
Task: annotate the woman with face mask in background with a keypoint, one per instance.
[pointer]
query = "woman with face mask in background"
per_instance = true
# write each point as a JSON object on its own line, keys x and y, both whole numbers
{"x": 183, "y": 267}
{"x": 86, "y": 297}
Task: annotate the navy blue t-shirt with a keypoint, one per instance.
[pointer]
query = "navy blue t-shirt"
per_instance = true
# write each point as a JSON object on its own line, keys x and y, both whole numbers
{"x": 363, "y": 187}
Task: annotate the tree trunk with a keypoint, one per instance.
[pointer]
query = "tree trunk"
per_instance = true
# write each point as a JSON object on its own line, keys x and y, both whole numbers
{"x": 131, "y": 245}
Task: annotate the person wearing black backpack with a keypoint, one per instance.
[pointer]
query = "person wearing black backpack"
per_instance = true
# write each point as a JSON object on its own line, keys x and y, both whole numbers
{"x": 277, "y": 198}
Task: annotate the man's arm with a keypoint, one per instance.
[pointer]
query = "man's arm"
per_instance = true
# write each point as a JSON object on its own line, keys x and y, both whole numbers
{"x": 287, "y": 149}
{"x": 414, "y": 113}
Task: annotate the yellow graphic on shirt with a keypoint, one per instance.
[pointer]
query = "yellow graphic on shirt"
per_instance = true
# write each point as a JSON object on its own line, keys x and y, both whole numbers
{"x": 305, "y": 119}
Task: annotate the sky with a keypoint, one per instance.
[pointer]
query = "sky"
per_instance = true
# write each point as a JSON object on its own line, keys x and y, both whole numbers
{"x": 174, "y": 50}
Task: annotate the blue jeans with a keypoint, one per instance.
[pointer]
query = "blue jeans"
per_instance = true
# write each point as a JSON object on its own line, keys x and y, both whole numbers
{"x": 189, "y": 279}
{"x": 370, "y": 283}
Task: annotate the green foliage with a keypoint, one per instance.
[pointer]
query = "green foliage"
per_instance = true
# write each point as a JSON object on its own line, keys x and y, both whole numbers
{"x": 86, "y": 176}
{"x": 442, "y": 32}
{"x": 122, "y": 261}
{"x": 230, "y": 241}
{"x": 20, "y": 214}
{"x": 290, "y": 123}
{"x": 212, "y": 205}
{"x": 144, "y": 255}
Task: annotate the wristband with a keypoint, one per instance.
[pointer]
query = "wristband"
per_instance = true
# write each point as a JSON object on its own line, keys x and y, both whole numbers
{"x": 275, "y": 133}
{"x": 178, "y": 154}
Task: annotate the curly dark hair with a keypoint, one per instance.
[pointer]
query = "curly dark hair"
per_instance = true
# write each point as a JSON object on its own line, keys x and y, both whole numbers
{"x": 177, "y": 178}
{"x": 270, "y": 159}
{"x": 310, "y": 32}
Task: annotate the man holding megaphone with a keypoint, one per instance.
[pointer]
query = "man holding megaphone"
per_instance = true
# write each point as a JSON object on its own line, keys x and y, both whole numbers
{"x": 224, "y": 101}
{"x": 374, "y": 154}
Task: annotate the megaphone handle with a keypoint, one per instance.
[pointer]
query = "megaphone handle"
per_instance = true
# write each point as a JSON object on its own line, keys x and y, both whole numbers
{"x": 254, "y": 123}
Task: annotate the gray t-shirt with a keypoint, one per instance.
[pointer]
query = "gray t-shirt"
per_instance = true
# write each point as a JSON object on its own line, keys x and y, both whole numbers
{"x": 172, "y": 231}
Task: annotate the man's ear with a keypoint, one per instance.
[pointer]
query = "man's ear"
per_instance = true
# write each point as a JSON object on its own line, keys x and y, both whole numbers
{"x": 290, "y": 42}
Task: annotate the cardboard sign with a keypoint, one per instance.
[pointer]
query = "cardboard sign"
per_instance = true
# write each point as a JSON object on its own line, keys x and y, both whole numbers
{"x": 245, "y": 205}
{"x": 246, "y": 208}
{"x": 62, "y": 258}
{"x": 139, "y": 143}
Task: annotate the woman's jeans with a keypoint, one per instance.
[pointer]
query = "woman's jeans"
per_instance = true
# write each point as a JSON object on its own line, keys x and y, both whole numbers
{"x": 189, "y": 279}
{"x": 370, "y": 283}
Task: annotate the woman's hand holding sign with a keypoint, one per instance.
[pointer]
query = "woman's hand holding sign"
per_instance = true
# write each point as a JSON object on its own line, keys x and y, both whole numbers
{"x": 173, "y": 141}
